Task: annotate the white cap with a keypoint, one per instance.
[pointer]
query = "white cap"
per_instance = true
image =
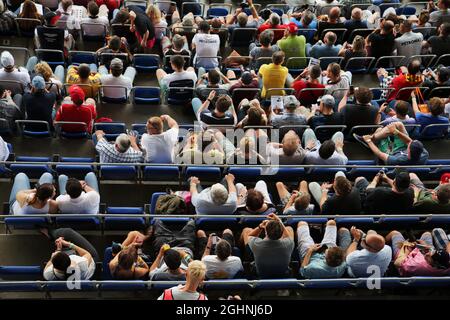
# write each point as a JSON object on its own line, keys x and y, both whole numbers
{"x": 7, "y": 59}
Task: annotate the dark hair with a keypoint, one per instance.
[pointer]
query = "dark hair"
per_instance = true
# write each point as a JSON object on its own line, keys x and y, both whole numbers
{"x": 61, "y": 261}
{"x": 73, "y": 188}
{"x": 445, "y": 29}
{"x": 84, "y": 71}
{"x": 327, "y": 149}
{"x": 407, "y": 25}
{"x": 255, "y": 116}
{"x": 443, "y": 74}
{"x": 334, "y": 257}
{"x": 414, "y": 67}
{"x": 122, "y": 16}
{"x": 204, "y": 26}
{"x": 92, "y": 8}
{"x": 278, "y": 57}
{"x": 342, "y": 186}
{"x": 274, "y": 230}
{"x": 402, "y": 181}
{"x": 436, "y": 106}
{"x": 401, "y": 108}
{"x": 44, "y": 191}
{"x": 116, "y": 72}
{"x": 66, "y": 4}
{"x": 213, "y": 76}
{"x": 222, "y": 103}
{"x": 302, "y": 202}
{"x": 172, "y": 259}
{"x": 2, "y": 90}
{"x": 177, "y": 61}
{"x": 266, "y": 38}
{"x": 115, "y": 43}
{"x": 255, "y": 200}
{"x": 363, "y": 95}
{"x": 443, "y": 193}
{"x": 223, "y": 250}
{"x": 315, "y": 71}
{"x": 127, "y": 258}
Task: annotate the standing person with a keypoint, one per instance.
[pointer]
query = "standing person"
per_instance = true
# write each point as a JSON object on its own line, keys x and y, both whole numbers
{"x": 159, "y": 144}
{"x": 144, "y": 30}
{"x": 205, "y": 45}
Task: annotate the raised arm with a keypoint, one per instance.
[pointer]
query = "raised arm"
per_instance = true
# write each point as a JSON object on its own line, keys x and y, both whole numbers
{"x": 171, "y": 122}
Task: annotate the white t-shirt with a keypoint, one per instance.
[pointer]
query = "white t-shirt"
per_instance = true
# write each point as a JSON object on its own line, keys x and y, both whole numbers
{"x": 4, "y": 151}
{"x": 204, "y": 204}
{"x": 206, "y": 45}
{"x": 176, "y": 76}
{"x": 28, "y": 209}
{"x": 217, "y": 269}
{"x": 409, "y": 44}
{"x": 110, "y": 80}
{"x": 87, "y": 202}
{"x": 160, "y": 146}
{"x": 81, "y": 266}
{"x": 20, "y": 74}
{"x": 182, "y": 295}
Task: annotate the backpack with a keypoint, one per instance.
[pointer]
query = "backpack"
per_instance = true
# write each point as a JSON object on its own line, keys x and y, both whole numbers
{"x": 170, "y": 204}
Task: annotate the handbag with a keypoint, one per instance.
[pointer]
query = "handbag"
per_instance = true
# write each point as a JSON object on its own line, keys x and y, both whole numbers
{"x": 423, "y": 107}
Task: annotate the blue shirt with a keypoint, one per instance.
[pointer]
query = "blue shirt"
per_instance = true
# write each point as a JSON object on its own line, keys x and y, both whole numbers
{"x": 319, "y": 269}
{"x": 359, "y": 261}
{"x": 323, "y": 50}
{"x": 425, "y": 119}
{"x": 401, "y": 158}
{"x": 287, "y": 119}
{"x": 313, "y": 25}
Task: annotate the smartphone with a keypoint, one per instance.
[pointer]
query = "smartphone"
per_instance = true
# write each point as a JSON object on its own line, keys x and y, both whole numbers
{"x": 215, "y": 240}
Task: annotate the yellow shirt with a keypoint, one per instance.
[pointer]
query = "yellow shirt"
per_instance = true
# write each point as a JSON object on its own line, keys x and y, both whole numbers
{"x": 273, "y": 76}
{"x": 93, "y": 80}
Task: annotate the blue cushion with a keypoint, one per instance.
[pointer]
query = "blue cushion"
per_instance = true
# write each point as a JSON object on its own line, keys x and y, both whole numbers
{"x": 118, "y": 172}
{"x": 154, "y": 173}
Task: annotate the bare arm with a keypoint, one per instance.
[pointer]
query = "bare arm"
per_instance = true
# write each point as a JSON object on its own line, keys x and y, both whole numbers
{"x": 343, "y": 102}
{"x": 171, "y": 122}
{"x": 376, "y": 151}
{"x": 414, "y": 103}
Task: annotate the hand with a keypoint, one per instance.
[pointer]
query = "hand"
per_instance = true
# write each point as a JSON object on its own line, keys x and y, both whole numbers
{"x": 243, "y": 192}
{"x": 212, "y": 94}
{"x": 367, "y": 138}
{"x": 83, "y": 184}
{"x": 250, "y": 2}
{"x": 100, "y": 134}
{"x": 326, "y": 186}
{"x": 273, "y": 216}
{"x": 58, "y": 243}
{"x": 413, "y": 95}
{"x": 8, "y": 93}
{"x": 161, "y": 251}
{"x": 133, "y": 139}
{"x": 143, "y": 43}
{"x": 263, "y": 224}
{"x": 229, "y": 178}
{"x": 294, "y": 194}
{"x": 383, "y": 107}
{"x": 195, "y": 180}
{"x": 310, "y": 144}
{"x": 392, "y": 128}
{"x": 238, "y": 10}
{"x": 315, "y": 247}
{"x": 356, "y": 233}
{"x": 339, "y": 144}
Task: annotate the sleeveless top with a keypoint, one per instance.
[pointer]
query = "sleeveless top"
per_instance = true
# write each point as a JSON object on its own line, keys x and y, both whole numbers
{"x": 28, "y": 209}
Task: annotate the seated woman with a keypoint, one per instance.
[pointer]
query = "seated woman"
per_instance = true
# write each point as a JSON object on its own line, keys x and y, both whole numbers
{"x": 354, "y": 50}
{"x": 128, "y": 264}
{"x": 24, "y": 200}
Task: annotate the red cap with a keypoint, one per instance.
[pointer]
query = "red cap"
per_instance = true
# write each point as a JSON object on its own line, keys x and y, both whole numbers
{"x": 76, "y": 93}
{"x": 292, "y": 27}
{"x": 445, "y": 178}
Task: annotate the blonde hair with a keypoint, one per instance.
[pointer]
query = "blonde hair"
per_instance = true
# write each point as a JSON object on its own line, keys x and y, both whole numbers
{"x": 44, "y": 69}
{"x": 154, "y": 13}
{"x": 358, "y": 44}
{"x": 197, "y": 270}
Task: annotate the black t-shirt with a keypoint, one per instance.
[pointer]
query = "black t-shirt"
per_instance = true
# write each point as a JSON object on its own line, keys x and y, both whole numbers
{"x": 439, "y": 45}
{"x": 144, "y": 24}
{"x": 357, "y": 114}
{"x": 381, "y": 44}
{"x": 39, "y": 106}
{"x": 208, "y": 117}
{"x": 382, "y": 200}
{"x": 327, "y": 25}
{"x": 335, "y": 118}
{"x": 349, "y": 204}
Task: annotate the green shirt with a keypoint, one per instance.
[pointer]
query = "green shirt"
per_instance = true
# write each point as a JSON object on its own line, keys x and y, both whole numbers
{"x": 293, "y": 46}
{"x": 426, "y": 204}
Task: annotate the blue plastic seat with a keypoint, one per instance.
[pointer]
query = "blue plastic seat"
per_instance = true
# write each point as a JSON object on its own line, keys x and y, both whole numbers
{"x": 26, "y": 223}
{"x": 33, "y": 171}
{"x": 217, "y": 12}
{"x": 165, "y": 285}
{"x": 120, "y": 285}
{"x": 20, "y": 286}
{"x": 141, "y": 128}
{"x": 243, "y": 174}
{"x": 111, "y": 129}
{"x": 146, "y": 62}
{"x": 252, "y": 222}
{"x": 79, "y": 57}
{"x": 146, "y": 95}
{"x": 275, "y": 284}
{"x": 21, "y": 272}
{"x": 368, "y": 173}
{"x": 204, "y": 173}
{"x": 354, "y": 221}
{"x": 324, "y": 174}
{"x": 289, "y": 174}
{"x": 154, "y": 173}
{"x": 61, "y": 286}
{"x": 78, "y": 171}
{"x": 125, "y": 223}
{"x": 216, "y": 223}
{"x": 227, "y": 284}
{"x": 108, "y": 172}
{"x": 293, "y": 222}
{"x": 78, "y": 223}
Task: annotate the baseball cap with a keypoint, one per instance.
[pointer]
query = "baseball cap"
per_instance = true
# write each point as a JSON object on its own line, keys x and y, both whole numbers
{"x": 38, "y": 83}
{"x": 246, "y": 77}
{"x": 7, "y": 59}
{"x": 402, "y": 180}
{"x": 415, "y": 150}
{"x": 292, "y": 27}
{"x": 445, "y": 178}
{"x": 116, "y": 63}
{"x": 219, "y": 193}
{"x": 76, "y": 93}
{"x": 290, "y": 102}
{"x": 327, "y": 99}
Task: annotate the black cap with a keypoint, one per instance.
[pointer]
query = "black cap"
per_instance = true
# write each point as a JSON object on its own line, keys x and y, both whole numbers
{"x": 402, "y": 180}
{"x": 246, "y": 78}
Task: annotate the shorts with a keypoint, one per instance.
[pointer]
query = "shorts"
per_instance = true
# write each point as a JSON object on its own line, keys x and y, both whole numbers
{"x": 416, "y": 182}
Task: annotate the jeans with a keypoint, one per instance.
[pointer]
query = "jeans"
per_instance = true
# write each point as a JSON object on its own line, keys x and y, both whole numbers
{"x": 22, "y": 182}
{"x": 72, "y": 236}
{"x": 90, "y": 179}
{"x": 59, "y": 70}
{"x": 196, "y": 105}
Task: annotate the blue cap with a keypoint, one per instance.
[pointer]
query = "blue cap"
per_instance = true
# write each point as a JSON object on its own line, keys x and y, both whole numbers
{"x": 38, "y": 83}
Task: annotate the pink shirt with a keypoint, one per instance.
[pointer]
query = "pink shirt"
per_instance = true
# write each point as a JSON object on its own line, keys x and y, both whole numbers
{"x": 416, "y": 265}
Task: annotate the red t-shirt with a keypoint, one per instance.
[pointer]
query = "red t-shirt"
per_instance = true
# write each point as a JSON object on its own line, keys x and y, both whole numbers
{"x": 400, "y": 82}
{"x": 277, "y": 35}
{"x": 307, "y": 97}
{"x": 71, "y": 112}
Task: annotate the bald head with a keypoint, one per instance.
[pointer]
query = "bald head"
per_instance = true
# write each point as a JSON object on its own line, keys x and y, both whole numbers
{"x": 388, "y": 26}
{"x": 375, "y": 242}
{"x": 356, "y": 14}
{"x": 335, "y": 13}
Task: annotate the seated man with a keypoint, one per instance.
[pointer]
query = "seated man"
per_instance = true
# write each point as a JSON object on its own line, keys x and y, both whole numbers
{"x": 346, "y": 199}
{"x": 299, "y": 202}
{"x": 393, "y": 146}
{"x": 124, "y": 150}
{"x": 324, "y": 260}
{"x": 361, "y": 112}
{"x": 327, "y": 48}
{"x": 223, "y": 112}
{"x": 420, "y": 257}
{"x": 431, "y": 201}
{"x": 9, "y": 72}
{"x": 436, "y": 115}
{"x": 273, "y": 253}
{"x": 78, "y": 196}
{"x": 116, "y": 78}
{"x": 222, "y": 264}
{"x": 213, "y": 79}
{"x": 254, "y": 201}
{"x": 398, "y": 113}
{"x": 396, "y": 198}
{"x": 177, "y": 64}
{"x": 116, "y": 45}
{"x": 73, "y": 255}
{"x": 159, "y": 144}
{"x": 373, "y": 253}
{"x": 218, "y": 199}
{"x": 310, "y": 78}
{"x": 330, "y": 152}
{"x": 87, "y": 75}
{"x": 170, "y": 264}
{"x": 266, "y": 50}
{"x": 290, "y": 150}
{"x": 289, "y": 115}
{"x": 325, "y": 114}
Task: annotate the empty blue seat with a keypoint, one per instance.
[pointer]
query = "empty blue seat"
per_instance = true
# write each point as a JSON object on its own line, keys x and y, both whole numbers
{"x": 216, "y": 223}
{"x": 288, "y": 174}
{"x": 111, "y": 129}
{"x": 146, "y": 95}
{"x": 146, "y": 62}
{"x": 120, "y": 285}
{"x": 78, "y": 223}
{"x": 20, "y": 286}
{"x": 274, "y": 284}
{"x": 78, "y": 171}
{"x": 160, "y": 173}
{"x": 227, "y": 284}
{"x": 79, "y": 57}
{"x": 26, "y": 222}
{"x": 125, "y": 223}
{"x": 243, "y": 174}
{"x": 33, "y": 171}
{"x": 15, "y": 273}
{"x": 108, "y": 172}
{"x": 107, "y": 257}
{"x": 217, "y": 12}
{"x": 204, "y": 173}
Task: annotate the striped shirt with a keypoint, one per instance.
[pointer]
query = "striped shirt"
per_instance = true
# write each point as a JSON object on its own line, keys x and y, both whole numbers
{"x": 109, "y": 154}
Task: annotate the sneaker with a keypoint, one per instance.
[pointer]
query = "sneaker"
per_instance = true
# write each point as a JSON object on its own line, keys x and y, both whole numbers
{"x": 360, "y": 139}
